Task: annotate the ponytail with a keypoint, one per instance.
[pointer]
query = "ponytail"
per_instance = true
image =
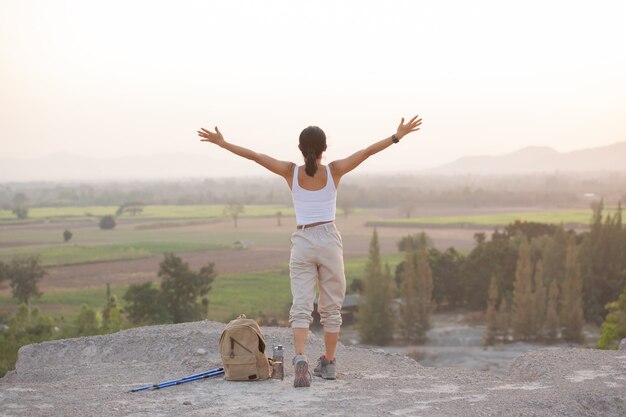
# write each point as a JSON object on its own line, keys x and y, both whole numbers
{"x": 310, "y": 163}
{"x": 312, "y": 145}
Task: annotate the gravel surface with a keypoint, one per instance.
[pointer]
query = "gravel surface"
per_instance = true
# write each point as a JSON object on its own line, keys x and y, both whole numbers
{"x": 92, "y": 376}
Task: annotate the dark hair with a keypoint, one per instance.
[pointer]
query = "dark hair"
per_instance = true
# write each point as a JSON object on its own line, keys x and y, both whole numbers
{"x": 312, "y": 144}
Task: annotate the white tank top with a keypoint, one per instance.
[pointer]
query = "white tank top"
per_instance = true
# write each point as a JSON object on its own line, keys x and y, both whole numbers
{"x": 314, "y": 206}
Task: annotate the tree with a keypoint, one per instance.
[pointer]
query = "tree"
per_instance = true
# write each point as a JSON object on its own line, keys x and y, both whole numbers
{"x": 415, "y": 294}
{"x": 408, "y": 296}
{"x": 552, "y": 316}
{"x": 21, "y": 212}
{"x": 497, "y": 257}
{"x": 375, "y": 317}
{"x": 233, "y": 210}
{"x": 614, "y": 326}
{"x": 133, "y": 208}
{"x": 183, "y": 291}
{"x": 538, "y": 302}
{"x": 503, "y": 320}
{"x": 23, "y": 329}
{"x": 4, "y": 271}
{"x": 67, "y": 236}
{"x": 571, "y": 296}
{"x": 553, "y": 256}
{"x": 19, "y": 199}
{"x": 416, "y": 241}
{"x": 448, "y": 281}
{"x": 144, "y": 306}
{"x": 25, "y": 272}
{"x": 111, "y": 314}
{"x": 356, "y": 286}
{"x": 88, "y": 321}
{"x": 107, "y": 222}
{"x": 603, "y": 260}
{"x": 530, "y": 229}
{"x": 424, "y": 290}
{"x": 522, "y": 295}
{"x": 490, "y": 316}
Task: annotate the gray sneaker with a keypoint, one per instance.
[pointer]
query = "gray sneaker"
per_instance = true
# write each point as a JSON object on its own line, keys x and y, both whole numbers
{"x": 302, "y": 376}
{"x": 326, "y": 369}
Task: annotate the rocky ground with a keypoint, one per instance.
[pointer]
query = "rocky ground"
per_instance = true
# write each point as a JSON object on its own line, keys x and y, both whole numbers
{"x": 93, "y": 376}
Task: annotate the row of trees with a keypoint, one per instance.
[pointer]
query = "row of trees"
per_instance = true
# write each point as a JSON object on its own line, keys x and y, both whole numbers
{"x": 363, "y": 191}
{"x": 463, "y": 281}
{"x": 535, "y": 281}
{"x": 382, "y": 316}
{"x": 538, "y": 312}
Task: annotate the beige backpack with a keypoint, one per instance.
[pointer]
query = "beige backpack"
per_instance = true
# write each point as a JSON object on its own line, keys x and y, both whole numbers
{"x": 242, "y": 347}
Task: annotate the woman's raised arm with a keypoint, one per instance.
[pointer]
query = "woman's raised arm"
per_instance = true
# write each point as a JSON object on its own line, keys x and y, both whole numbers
{"x": 341, "y": 167}
{"x": 282, "y": 168}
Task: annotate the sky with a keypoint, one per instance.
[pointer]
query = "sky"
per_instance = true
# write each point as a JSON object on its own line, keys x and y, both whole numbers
{"x": 137, "y": 78}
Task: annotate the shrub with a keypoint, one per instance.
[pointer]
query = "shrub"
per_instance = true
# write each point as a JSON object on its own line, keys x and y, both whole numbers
{"x": 107, "y": 222}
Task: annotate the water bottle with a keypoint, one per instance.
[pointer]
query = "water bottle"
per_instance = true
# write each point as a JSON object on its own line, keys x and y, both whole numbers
{"x": 277, "y": 357}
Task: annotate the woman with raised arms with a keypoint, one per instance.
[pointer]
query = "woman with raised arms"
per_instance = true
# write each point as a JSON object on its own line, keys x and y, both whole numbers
{"x": 316, "y": 258}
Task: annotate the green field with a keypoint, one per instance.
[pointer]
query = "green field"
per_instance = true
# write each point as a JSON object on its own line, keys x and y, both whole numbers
{"x": 77, "y": 254}
{"x": 254, "y": 294}
{"x": 127, "y": 241}
{"x": 578, "y": 217}
{"x": 149, "y": 212}
{"x": 65, "y": 305}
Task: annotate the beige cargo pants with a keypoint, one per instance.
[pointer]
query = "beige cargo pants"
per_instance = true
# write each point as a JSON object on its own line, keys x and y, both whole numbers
{"x": 317, "y": 260}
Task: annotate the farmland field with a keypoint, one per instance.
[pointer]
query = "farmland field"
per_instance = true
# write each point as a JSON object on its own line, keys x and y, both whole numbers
{"x": 251, "y": 259}
{"x": 262, "y": 293}
{"x": 149, "y": 212}
{"x": 566, "y": 217}
{"x": 75, "y": 254}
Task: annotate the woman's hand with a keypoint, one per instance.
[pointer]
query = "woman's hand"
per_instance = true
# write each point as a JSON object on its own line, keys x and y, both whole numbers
{"x": 213, "y": 137}
{"x": 413, "y": 125}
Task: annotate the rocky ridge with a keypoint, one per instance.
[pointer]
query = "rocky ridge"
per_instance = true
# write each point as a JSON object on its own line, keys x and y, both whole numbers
{"x": 92, "y": 376}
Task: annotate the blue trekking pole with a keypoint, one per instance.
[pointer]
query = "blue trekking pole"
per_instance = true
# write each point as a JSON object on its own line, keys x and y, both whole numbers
{"x": 190, "y": 378}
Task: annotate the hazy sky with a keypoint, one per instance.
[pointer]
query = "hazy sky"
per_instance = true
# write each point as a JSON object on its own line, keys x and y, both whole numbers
{"x": 115, "y": 78}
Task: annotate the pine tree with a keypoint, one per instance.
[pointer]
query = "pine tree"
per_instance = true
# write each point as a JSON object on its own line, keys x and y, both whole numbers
{"x": 490, "y": 316}
{"x": 571, "y": 296}
{"x": 553, "y": 257}
{"x": 424, "y": 291}
{"x": 522, "y": 294}
{"x": 552, "y": 317}
{"x": 409, "y": 309}
{"x": 387, "y": 294}
{"x": 603, "y": 259}
{"x": 375, "y": 323}
{"x": 503, "y": 320}
{"x": 539, "y": 302}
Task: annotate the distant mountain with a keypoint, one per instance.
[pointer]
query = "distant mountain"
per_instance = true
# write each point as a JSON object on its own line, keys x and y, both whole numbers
{"x": 536, "y": 159}
{"x": 70, "y": 167}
